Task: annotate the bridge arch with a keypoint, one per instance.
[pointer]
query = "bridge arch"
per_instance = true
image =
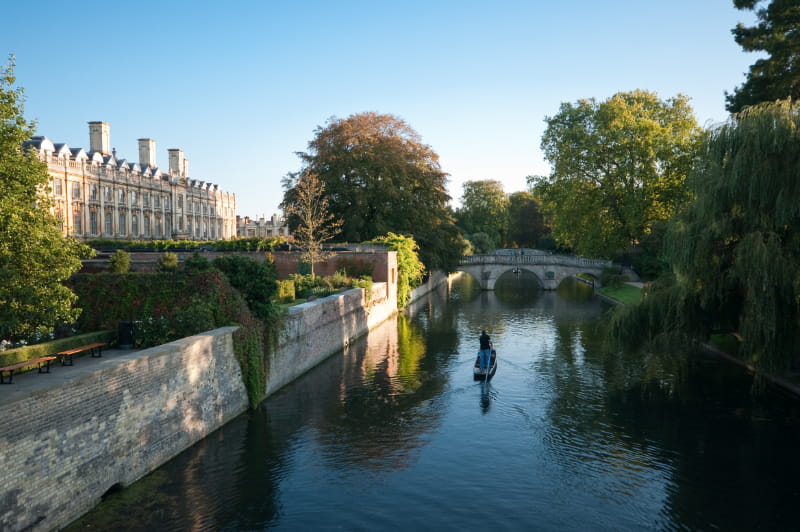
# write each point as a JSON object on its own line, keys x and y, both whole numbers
{"x": 549, "y": 268}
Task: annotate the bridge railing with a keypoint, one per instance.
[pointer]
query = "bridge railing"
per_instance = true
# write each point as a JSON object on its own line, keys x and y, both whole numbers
{"x": 537, "y": 259}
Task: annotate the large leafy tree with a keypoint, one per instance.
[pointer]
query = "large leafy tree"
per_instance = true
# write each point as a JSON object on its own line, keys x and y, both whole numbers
{"x": 484, "y": 209}
{"x": 735, "y": 251}
{"x": 525, "y": 221}
{"x": 777, "y": 33}
{"x": 307, "y": 209}
{"x": 380, "y": 177}
{"x": 35, "y": 258}
{"x": 618, "y": 168}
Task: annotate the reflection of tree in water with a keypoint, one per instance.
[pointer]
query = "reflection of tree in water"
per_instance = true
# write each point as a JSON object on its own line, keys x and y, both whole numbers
{"x": 607, "y": 409}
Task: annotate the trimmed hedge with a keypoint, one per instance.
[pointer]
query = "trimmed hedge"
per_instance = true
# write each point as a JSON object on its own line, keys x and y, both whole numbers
{"x": 31, "y": 352}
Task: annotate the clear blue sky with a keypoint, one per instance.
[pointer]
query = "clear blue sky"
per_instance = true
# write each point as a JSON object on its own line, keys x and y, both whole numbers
{"x": 240, "y": 86}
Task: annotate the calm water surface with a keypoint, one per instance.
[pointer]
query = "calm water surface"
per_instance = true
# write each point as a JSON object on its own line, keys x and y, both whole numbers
{"x": 394, "y": 434}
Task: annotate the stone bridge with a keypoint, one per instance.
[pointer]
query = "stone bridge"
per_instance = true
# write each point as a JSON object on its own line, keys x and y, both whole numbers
{"x": 549, "y": 269}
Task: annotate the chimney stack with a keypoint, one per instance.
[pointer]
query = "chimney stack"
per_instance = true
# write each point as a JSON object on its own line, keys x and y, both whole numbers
{"x": 147, "y": 153}
{"x": 178, "y": 166}
{"x": 99, "y": 138}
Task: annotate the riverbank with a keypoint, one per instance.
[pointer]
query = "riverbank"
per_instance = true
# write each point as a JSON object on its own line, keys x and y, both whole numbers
{"x": 630, "y": 293}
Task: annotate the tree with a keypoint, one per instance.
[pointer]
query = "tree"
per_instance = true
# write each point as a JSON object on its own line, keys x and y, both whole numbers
{"x": 735, "y": 251}
{"x": 35, "y": 258}
{"x": 777, "y": 33}
{"x": 380, "y": 177}
{"x": 484, "y": 209}
{"x": 307, "y": 208}
{"x": 619, "y": 167}
{"x": 525, "y": 221}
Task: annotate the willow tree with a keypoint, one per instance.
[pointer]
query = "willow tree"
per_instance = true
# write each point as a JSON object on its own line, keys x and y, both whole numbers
{"x": 619, "y": 169}
{"x": 35, "y": 258}
{"x": 735, "y": 251}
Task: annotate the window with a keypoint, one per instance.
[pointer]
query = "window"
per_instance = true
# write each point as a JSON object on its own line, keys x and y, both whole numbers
{"x": 146, "y": 226}
{"x": 122, "y": 224}
{"x": 167, "y": 202}
{"x": 158, "y": 227}
{"x": 180, "y": 223}
{"x": 107, "y": 193}
{"x": 180, "y": 201}
{"x": 157, "y": 201}
{"x": 168, "y": 228}
{"x": 109, "y": 228}
{"x": 120, "y": 196}
{"x": 134, "y": 225}
{"x": 93, "y": 222}
{"x": 93, "y": 193}
{"x": 57, "y": 187}
{"x": 76, "y": 190}
{"x": 146, "y": 199}
{"x": 76, "y": 219}
{"x": 134, "y": 198}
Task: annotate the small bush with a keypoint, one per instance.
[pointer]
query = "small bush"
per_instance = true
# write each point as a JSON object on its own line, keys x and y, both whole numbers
{"x": 168, "y": 262}
{"x": 120, "y": 262}
{"x": 286, "y": 293}
{"x": 197, "y": 263}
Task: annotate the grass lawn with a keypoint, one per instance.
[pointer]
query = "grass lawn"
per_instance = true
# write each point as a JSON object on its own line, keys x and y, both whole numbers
{"x": 630, "y": 295}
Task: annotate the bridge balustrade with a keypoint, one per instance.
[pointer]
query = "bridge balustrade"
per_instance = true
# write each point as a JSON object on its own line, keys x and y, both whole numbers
{"x": 536, "y": 259}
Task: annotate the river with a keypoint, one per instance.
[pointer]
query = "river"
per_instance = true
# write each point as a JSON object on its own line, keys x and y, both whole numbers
{"x": 394, "y": 434}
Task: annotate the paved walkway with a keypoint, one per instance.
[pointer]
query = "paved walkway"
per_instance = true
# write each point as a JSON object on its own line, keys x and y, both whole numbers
{"x": 32, "y": 382}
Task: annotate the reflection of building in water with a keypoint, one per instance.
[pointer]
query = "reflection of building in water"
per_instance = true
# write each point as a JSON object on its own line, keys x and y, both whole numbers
{"x": 97, "y": 195}
{"x": 247, "y": 227}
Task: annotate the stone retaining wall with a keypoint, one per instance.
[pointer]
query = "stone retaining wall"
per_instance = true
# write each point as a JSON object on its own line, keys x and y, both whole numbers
{"x": 63, "y": 447}
{"x": 315, "y": 330}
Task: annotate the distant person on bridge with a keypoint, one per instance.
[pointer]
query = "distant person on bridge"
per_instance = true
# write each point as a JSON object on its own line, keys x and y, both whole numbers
{"x": 486, "y": 351}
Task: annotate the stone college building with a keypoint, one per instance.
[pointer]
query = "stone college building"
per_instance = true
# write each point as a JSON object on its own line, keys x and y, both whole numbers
{"x": 97, "y": 195}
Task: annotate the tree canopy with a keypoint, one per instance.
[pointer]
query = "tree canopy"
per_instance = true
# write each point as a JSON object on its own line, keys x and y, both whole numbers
{"x": 619, "y": 167}
{"x": 380, "y": 177}
{"x": 777, "y": 33}
{"x": 35, "y": 258}
{"x": 526, "y": 225}
{"x": 735, "y": 251}
{"x": 484, "y": 209}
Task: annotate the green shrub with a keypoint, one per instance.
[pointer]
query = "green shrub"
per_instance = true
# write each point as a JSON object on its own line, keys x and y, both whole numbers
{"x": 255, "y": 280}
{"x": 197, "y": 263}
{"x": 611, "y": 277}
{"x": 168, "y": 262}
{"x": 120, "y": 262}
{"x": 286, "y": 293}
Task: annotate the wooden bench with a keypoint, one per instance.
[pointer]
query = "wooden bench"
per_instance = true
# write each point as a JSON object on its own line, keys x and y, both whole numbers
{"x": 43, "y": 363}
{"x": 95, "y": 349}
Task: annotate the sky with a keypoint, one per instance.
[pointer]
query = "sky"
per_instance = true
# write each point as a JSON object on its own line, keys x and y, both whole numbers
{"x": 241, "y": 86}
